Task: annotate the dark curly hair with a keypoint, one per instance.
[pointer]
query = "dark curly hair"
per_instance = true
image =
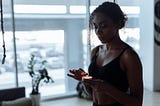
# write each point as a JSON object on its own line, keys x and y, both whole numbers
{"x": 113, "y": 11}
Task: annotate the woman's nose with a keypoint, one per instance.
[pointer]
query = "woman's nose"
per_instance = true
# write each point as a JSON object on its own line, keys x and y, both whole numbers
{"x": 98, "y": 30}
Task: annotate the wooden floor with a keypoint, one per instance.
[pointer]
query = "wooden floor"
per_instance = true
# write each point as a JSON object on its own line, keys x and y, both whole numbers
{"x": 150, "y": 99}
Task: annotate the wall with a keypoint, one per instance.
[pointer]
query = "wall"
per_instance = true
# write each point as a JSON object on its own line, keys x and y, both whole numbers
{"x": 149, "y": 50}
{"x": 157, "y": 45}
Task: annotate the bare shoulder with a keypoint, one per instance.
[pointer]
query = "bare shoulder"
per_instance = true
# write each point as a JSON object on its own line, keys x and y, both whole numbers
{"x": 94, "y": 50}
{"x": 130, "y": 53}
{"x": 130, "y": 60}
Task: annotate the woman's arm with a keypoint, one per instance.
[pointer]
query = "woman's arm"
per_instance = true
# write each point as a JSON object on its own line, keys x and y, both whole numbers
{"x": 88, "y": 89}
{"x": 131, "y": 63}
{"x": 86, "y": 86}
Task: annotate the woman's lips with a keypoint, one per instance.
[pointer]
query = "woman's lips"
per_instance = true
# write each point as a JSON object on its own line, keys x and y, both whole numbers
{"x": 101, "y": 39}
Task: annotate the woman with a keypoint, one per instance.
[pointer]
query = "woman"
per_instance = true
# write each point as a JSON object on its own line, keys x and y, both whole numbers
{"x": 115, "y": 68}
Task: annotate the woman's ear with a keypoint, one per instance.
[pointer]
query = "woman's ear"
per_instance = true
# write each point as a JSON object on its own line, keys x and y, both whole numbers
{"x": 121, "y": 24}
{"x": 116, "y": 26}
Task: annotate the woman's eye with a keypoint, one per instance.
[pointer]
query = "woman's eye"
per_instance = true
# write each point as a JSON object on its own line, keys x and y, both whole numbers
{"x": 102, "y": 25}
{"x": 95, "y": 27}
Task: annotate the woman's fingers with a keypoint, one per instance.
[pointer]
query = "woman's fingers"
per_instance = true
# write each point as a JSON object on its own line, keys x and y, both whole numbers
{"x": 80, "y": 69}
{"x": 70, "y": 75}
{"x": 77, "y": 74}
{"x": 72, "y": 71}
{"x": 73, "y": 76}
{"x": 80, "y": 72}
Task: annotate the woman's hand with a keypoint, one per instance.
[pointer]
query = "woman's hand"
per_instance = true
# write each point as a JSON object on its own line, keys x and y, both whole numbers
{"x": 99, "y": 90}
{"x": 77, "y": 74}
{"x": 96, "y": 84}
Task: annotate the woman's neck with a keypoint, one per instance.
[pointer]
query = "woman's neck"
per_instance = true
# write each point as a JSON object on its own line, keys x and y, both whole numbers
{"x": 115, "y": 43}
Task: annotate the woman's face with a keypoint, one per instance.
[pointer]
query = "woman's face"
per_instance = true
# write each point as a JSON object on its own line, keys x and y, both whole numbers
{"x": 104, "y": 28}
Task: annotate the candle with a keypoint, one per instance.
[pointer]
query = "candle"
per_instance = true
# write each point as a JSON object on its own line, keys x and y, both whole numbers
{"x": 86, "y": 77}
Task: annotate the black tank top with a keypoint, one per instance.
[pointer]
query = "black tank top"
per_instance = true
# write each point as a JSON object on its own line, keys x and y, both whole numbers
{"x": 111, "y": 72}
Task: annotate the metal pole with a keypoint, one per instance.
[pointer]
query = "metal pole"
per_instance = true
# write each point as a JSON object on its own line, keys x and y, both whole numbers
{"x": 2, "y": 28}
{"x": 14, "y": 43}
{"x": 88, "y": 31}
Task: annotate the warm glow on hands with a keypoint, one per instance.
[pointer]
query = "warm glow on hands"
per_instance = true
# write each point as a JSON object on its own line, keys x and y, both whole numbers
{"x": 86, "y": 77}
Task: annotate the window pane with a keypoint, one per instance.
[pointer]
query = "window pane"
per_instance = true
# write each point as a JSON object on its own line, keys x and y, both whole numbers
{"x": 7, "y": 71}
{"x": 41, "y": 9}
{"x": 78, "y": 9}
{"x": 55, "y": 31}
{"x": 45, "y": 45}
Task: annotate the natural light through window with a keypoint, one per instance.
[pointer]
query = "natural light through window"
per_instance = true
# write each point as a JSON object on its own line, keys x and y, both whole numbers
{"x": 130, "y": 9}
{"x": 41, "y": 9}
{"x": 77, "y": 9}
{"x": 51, "y": 30}
{"x": 125, "y": 9}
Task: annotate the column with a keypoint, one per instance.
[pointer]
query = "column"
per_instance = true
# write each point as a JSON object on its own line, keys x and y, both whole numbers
{"x": 149, "y": 43}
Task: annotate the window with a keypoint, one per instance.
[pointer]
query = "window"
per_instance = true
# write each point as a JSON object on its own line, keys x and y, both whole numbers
{"x": 55, "y": 30}
{"x": 40, "y": 9}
